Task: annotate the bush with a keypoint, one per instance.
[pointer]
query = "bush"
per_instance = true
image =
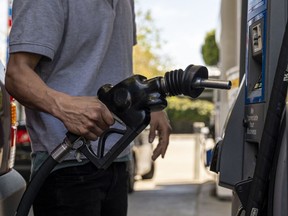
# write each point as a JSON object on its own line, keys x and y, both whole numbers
{"x": 183, "y": 112}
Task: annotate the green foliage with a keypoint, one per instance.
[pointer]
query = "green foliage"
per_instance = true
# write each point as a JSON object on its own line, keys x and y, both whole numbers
{"x": 210, "y": 50}
{"x": 183, "y": 111}
{"x": 147, "y": 32}
{"x": 146, "y": 60}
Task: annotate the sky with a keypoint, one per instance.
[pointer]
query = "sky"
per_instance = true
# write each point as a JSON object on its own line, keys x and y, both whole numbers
{"x": 183, "y": 25}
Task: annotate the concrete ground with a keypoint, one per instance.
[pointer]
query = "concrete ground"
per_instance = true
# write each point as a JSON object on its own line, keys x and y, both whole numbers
{"x": 211, "y": 205}
{"x": 178, "y": 200}
{"x": 181, "y": 186}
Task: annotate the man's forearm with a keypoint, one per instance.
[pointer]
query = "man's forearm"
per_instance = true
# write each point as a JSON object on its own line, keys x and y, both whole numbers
{"x": 25, "y": 85}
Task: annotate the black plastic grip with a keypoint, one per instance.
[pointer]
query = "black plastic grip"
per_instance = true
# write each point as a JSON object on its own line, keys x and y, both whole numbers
{"x": 72, "y": 137}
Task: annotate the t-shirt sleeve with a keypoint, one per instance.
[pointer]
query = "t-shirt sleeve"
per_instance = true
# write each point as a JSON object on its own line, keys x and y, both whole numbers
{"x": 38, "y": 27}
{"x": 134, "y": 23}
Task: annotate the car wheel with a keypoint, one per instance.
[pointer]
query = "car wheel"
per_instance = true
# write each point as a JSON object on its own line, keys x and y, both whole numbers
{"x": 131, "y": 172}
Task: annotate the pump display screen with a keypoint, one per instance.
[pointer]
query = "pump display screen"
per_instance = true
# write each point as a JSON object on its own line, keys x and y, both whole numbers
{"x": 254, "y": 4}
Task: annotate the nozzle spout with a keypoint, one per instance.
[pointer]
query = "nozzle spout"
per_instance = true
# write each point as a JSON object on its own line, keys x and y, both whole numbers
{"x": 209, "y": 83}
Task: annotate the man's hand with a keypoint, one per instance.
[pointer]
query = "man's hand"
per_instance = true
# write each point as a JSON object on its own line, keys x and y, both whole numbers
{"x": 160, "y": 123}
{"x": 84, "y": 116}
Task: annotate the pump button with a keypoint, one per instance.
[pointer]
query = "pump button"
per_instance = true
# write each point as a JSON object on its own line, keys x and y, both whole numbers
{"x": 256, "y": 38}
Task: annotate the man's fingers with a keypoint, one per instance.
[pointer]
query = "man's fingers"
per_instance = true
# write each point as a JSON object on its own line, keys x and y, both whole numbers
{"x": 164, "y": 147}
{"x": 108, "y": 117}
{"x": 152, "y": 134}
{"x": 160, "y": 149}
{"x": 156, "y": 153}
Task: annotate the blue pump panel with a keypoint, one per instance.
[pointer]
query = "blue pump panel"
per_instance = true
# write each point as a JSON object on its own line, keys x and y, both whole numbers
{"x": 256, "y": 51}
{"x": 256, "y": 6}
{"x": 256, "y": 59}
{"x": 256, "y": 69}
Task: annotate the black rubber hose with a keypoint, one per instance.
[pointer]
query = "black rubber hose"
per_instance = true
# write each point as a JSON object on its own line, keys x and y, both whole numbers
{"x": 274, "y": 172}
{"x": 34, "y": 186}
{"x": 259, "y": 188}
{"x": 44, "y": 171}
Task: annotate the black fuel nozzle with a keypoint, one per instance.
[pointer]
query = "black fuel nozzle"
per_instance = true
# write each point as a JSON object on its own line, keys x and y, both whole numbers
{"x": 142, "y": 93}
{"x": 133, "y": 99}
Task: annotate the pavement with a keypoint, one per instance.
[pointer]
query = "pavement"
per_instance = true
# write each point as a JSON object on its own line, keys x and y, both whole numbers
{"x": 212, "y": 205}
{"x": 189, "y": 199}
{"x": 181, "y": 186}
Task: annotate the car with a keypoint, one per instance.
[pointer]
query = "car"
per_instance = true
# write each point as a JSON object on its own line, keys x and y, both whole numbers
{"x": 12, "y": 184}
{"x": 140, "y": 167}
{"x": 23, "y": 146}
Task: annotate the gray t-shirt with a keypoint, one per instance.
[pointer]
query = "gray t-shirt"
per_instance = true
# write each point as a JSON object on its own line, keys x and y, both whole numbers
{"x": 85, "y": 44}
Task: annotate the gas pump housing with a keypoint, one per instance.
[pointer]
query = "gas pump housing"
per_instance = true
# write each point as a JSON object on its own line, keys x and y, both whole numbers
{"x": 262, "y": 29}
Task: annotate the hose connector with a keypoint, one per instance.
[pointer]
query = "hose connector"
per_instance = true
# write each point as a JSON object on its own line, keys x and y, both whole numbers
{"x": 66, "y": 146}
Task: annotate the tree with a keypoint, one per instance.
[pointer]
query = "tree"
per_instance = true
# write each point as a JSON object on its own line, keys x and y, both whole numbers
{"x": 146, "y": 60}
{"x": 181, "y": 111}
{"x": 210, "y": 50}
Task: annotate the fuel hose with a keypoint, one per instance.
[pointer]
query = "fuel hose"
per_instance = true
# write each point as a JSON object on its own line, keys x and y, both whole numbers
{"x": 42, "y": 173}
{"x": 268, "y": 144}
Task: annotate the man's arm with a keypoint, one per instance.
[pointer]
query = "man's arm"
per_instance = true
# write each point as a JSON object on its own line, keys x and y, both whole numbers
{"x": 85, "y": 116}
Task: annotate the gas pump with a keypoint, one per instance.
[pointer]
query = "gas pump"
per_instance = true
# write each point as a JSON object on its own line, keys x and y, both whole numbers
{"x": 245, "y": 134}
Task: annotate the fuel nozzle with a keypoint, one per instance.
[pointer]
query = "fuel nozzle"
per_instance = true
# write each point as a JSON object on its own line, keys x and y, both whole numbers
{"x": 141, "y": 93}
{"x": 133, "y": 99}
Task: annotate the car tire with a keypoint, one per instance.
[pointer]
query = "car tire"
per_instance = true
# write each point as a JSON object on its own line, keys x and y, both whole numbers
{"x": 131, "y": 172}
